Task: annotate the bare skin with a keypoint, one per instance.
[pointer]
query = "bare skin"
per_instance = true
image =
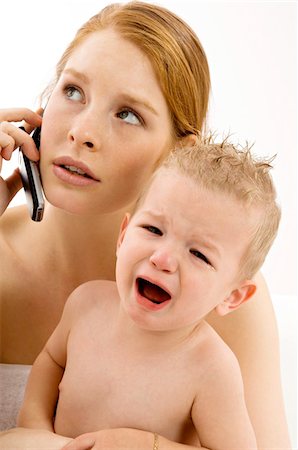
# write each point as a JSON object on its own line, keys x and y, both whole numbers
{"x": 192, "y": 355}
{"x": 28, "y": 438}
{"x": 128, "y": 356}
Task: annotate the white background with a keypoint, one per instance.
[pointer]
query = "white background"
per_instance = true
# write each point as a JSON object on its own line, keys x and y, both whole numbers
{"x": 252, "y": 52}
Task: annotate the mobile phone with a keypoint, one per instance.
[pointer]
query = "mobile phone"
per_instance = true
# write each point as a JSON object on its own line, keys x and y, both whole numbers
{"x": 31, "y": 181}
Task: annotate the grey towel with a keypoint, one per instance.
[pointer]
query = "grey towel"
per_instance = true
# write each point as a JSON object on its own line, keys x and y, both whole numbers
{"x": 13, "y": 379}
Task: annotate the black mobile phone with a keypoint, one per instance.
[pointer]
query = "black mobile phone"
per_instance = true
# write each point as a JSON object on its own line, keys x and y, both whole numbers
{"x": 31, "y": 181}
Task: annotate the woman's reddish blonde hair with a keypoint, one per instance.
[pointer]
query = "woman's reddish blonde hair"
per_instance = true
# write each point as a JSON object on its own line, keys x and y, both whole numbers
{"x": 174, "y": 50}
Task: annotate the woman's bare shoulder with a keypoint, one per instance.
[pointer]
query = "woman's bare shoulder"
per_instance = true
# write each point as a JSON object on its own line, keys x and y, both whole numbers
{"x": 11, "y": 231}
{"x": 13, "y": 219}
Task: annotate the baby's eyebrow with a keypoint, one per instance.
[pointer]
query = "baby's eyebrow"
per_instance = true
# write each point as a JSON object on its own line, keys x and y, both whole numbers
{"x": 152, "y": 213}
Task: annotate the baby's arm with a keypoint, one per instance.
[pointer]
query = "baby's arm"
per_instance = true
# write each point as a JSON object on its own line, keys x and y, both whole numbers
{"x": 41, "y": 393}
{"x": 219, "y": 411}
{"x": 42, "y": 389}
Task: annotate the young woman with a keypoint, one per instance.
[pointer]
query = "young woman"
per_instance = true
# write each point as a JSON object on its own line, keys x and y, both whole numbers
{"x": 133, "y": 82}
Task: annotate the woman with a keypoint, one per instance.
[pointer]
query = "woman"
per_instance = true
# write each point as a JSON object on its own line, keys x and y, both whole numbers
{"x": 133, "y": 82}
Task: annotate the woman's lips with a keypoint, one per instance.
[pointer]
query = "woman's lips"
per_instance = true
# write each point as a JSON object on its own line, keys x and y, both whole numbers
{"x": 73, "y": 172}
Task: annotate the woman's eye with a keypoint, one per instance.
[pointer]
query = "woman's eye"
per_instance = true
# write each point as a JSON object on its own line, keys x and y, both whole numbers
{"x": 130, "y": 117}
{"x": 73, "y": 93}
{"x": 200, "y": 255}
{"x": 153, "y": 230}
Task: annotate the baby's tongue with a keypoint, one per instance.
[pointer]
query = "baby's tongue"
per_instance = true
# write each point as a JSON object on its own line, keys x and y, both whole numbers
{"x": 154, "y": 293}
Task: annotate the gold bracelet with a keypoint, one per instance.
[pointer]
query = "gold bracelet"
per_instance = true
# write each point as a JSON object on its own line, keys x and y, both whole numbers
{"x": 155, "y": 442}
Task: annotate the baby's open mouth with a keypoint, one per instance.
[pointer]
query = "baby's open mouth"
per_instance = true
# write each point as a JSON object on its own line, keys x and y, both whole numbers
{"x": 152, "y": 292}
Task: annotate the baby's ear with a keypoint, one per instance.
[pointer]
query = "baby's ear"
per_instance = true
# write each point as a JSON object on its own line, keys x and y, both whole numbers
{"x": 236, "y": 298}
{"x": 189, "y": 141}
{"x": 123, "y": 229}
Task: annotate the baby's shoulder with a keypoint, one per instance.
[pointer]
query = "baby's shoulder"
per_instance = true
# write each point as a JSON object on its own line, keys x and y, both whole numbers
{"x": 96, "y": 288}
{"x": 217, "y": 375}
{"x": 212, "y": 353}
{"x": 93, "y": 295}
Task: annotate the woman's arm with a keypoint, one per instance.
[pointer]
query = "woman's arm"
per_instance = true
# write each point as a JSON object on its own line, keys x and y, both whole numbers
{"x": 22, "y": 438}
{"x": 125, "y": 439}
{"x": 251, "y": 333}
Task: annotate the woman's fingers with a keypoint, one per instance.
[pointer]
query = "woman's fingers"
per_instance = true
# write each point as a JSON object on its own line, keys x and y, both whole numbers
{"x": 29, "y": 126}
{"x": 7, "y": 144}
{"x": 83, "y": 442}
{"x": 18, "y": 114}
{"x": 12, "y": 137}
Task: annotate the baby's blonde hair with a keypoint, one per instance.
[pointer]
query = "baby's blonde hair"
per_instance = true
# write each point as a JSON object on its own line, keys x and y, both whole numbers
{"x": 235, "y": 171}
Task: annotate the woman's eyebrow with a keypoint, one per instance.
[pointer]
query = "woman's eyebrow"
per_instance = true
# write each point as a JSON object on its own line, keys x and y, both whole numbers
{"x": 139, "y": 101}
{"x": 76, "y": 74}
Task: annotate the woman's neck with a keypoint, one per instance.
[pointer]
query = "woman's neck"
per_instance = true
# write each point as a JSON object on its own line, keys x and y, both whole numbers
{"x": 86, "y": 245}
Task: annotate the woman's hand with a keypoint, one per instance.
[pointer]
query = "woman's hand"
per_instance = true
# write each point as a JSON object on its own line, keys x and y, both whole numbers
{"x": 124, "y": 439}
{"x": 12, "y": 137}
{"x": 21, "y": 438}
{"x": 113, "y": 439}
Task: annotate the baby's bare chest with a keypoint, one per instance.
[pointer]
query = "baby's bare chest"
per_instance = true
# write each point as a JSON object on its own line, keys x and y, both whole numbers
{"x": 111, "y": 388}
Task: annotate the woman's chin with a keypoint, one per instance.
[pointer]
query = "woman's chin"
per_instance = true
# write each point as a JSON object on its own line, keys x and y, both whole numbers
{"x": 68, "y": 205}
{"x": 76, "y": 202}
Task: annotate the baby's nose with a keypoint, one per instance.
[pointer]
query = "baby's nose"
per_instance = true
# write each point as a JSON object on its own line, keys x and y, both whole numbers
{"x": 165, "y": 260}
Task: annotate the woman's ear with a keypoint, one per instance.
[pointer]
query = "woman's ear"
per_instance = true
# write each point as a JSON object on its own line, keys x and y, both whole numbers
{"x": 123, "y": 229}
{"x": 236, "y": 298}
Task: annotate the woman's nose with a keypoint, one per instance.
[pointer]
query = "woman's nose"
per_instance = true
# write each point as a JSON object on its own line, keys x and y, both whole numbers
{"x": 85, "y": 133}
{"x": 164, "y": 260}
